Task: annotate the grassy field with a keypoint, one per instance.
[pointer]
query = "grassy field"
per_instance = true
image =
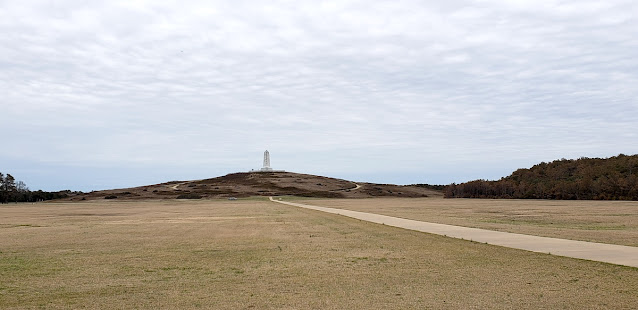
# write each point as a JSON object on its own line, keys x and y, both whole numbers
{"x": 254, "y": 254}
{"x": 614, "y": 222}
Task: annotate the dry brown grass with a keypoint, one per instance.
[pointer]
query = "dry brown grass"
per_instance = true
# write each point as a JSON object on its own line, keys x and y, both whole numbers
{"x": 614, "y": 222}
{"x": 253, "y": 254}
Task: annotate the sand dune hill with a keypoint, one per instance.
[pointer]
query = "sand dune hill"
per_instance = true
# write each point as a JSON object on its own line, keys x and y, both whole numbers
{"x": 262, "y": 184}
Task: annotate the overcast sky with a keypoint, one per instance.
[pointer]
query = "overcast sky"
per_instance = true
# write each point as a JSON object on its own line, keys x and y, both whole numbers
{"x": 108, "y": 94}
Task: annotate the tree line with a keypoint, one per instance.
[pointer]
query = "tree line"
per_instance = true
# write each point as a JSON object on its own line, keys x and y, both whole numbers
{"x": 614, "y": 178}
{"x": 17, "y": 191}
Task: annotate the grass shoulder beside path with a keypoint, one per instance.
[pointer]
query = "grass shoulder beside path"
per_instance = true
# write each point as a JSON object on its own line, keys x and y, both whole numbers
{"x": 613, "y": 222}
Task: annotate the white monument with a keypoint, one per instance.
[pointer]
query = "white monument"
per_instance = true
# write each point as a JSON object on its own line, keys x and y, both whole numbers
{"x": 266, "y": 166}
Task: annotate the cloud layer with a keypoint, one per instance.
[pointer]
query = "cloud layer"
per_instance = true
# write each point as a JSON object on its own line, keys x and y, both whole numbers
{"x": 396, "y": 91}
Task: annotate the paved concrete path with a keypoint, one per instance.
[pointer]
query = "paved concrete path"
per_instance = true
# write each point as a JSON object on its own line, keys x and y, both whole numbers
{"x": 608, "y": 253}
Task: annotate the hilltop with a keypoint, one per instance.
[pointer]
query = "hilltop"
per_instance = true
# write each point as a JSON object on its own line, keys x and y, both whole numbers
{"x": 262, "y": 184}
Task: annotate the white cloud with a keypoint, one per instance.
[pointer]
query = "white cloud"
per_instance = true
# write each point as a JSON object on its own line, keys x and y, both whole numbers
{"x": 322, "y": 84}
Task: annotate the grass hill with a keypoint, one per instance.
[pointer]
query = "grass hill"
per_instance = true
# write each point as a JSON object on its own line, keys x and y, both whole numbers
{"x": 614, "y": 178}
{"x": 262, "y": 184}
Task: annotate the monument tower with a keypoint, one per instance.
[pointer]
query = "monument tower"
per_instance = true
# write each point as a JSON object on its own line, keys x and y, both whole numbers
{"x": 266, "y": 166}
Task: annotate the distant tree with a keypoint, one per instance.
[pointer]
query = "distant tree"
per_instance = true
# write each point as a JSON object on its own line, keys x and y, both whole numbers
{"x": 8, "y": 188}
{"x": 17, "y": 191}
{"x": 2, "y": 191}
{"x": 22, "y": 192}
{"x": 585, "y": 178}
{"x": 21, "y": 187}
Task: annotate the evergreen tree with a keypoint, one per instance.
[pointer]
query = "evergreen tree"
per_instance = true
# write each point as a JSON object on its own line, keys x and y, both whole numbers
{"x": 9, "y": 188}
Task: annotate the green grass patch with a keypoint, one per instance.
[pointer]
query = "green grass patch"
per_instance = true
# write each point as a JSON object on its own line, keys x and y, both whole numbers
{"x": 18, "y": 225}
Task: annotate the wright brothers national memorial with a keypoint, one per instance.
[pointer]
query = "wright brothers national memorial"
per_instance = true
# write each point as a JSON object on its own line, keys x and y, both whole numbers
{"x": 266, "y": 167}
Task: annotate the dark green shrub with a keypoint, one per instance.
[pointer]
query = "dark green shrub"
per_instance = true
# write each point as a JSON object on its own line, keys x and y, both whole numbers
{"x": 189, "y": 196}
